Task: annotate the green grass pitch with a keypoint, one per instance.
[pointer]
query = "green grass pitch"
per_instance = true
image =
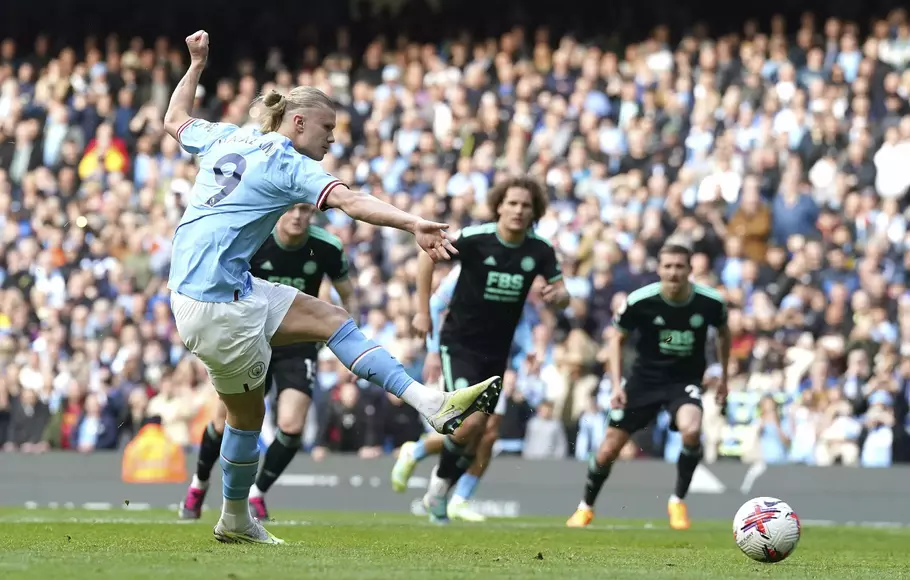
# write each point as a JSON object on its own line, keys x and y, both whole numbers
{"x": 123, "y": 544}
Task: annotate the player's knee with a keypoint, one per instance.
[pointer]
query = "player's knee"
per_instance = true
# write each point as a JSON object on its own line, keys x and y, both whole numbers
{"x": 289, "y": 439}
{"x": 472, "y": 430}
{"x": 489, "y": 438}
{"x": 293, "y": 406}
{"x": 690, "y": 435}
{"x": 291, "y": 424}
{"x": 332, "y": 317}
{"x": 611, "y": 447}
{"x": 337, "y": 315}
{"x": 245, "y": 411}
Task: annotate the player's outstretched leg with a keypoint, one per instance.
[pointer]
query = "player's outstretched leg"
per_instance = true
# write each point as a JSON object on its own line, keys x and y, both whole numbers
{"x": 459, "y": 506}
{"x": 412, "y": 453}
{"x": 599, "y": 467}
{"x": 312, "y": 320}
{"x": 292, "y": 411}
{"x": 239, "y": 464}
{"x": 209, "y": 450}
{"x": 688, "y": 423}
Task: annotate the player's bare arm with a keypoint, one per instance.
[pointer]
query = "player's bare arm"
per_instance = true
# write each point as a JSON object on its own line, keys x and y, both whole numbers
{"x": 430, "y": 236}
{"x": 617, "y": 340}
{"x": 345, "y": 289}
{"x": 724, "y": 344}
{"x": 422, "y": 320}
{"x": 555, "y": 294}
{"x": 178, "y": 109}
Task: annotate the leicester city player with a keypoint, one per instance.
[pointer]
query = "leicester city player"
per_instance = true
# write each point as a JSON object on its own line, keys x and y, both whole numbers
{"x": 231, "y": 320}
{"x": 670, "y": 320}
{"x": 524, "y": 348}
{"x": 500, "y": 261}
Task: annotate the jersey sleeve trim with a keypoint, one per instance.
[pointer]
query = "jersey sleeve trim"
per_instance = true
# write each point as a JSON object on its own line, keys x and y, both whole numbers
{"x": 183, "y": 127}
{"x": 643, "y": 293}
{"x": 324, "y": 194}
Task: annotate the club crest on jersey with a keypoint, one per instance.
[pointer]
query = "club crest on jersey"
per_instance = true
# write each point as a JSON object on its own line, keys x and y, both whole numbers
{"x": 310, "y": 268}
{"x": 528, "y": 263}
{"x": 696, "y": 321}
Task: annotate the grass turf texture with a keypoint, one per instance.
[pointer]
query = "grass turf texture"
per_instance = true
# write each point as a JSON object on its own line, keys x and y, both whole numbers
{"x": 122, "y": 544}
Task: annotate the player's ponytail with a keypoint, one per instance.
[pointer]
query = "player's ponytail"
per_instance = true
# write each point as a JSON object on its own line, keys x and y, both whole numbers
{"x": 275, "y": 106}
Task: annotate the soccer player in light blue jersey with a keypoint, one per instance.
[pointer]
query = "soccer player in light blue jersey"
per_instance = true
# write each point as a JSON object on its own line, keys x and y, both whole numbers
{"x": 230, "y": 320}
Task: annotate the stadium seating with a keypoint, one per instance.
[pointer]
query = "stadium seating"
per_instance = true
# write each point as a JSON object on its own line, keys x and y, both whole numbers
{"x": 785, "y": 158}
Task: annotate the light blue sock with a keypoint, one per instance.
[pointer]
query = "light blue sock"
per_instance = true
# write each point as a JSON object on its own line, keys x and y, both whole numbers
{"x": 368, "y": 360}
{"x": 465, "y": 486}
{"x": 420, "y": 450}
{"x": 239, "y": 462}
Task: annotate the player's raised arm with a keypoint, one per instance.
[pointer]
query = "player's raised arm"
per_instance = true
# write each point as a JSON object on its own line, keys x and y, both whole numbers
{"x": 181, "y": 104}
{"x": 431, "y": 236}
{"x": 306, "y": 116}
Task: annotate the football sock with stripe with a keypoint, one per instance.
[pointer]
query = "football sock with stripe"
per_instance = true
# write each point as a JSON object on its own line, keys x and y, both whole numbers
{"x": 371, "y": 362}
{"x": 689, "y": 459}
{"x": 597, "y": 476}
{"x": 239, "y": 462}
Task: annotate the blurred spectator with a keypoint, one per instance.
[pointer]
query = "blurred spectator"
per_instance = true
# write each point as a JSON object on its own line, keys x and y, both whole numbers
{"x": 95, "y": 430}
{"x": 782, "y": 157}
{"x": 546, "y": 436}
{"x": 349, "y": 424}
{"x": 28, "y": 418}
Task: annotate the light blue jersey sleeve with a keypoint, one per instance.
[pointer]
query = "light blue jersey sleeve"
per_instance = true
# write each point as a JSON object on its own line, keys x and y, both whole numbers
{"x": 197, "y": 136}
{"x": 309, "y": 182}
{"x": 439, "y": 301}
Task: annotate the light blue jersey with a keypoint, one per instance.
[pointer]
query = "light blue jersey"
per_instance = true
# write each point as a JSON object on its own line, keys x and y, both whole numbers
{"x": 246, "y": 181}
{"x": 523, "y": 341}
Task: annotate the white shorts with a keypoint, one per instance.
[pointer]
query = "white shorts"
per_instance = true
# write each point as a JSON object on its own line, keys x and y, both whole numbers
{"x": 232, "y": 338}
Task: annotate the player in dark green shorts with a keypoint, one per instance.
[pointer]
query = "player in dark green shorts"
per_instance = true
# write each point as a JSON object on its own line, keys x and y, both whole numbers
{"x": 499, "y": 263}
{"x": 671, "y": 320}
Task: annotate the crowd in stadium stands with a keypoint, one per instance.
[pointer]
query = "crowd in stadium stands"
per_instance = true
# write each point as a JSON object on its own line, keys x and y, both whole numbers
{"x": 785, "y": 157}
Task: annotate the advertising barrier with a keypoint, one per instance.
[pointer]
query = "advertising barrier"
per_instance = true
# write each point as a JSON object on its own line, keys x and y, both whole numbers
{"x": 512, "y": 487}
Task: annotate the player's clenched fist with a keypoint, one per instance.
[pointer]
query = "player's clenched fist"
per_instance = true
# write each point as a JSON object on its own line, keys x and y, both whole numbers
{"x": 198, "y": 44}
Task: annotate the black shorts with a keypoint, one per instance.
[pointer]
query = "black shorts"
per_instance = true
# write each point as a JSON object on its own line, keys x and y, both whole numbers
{"x": 644, "y": 403}
{"x": 462, "y": 368}
{"x": 297, "y": 373}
